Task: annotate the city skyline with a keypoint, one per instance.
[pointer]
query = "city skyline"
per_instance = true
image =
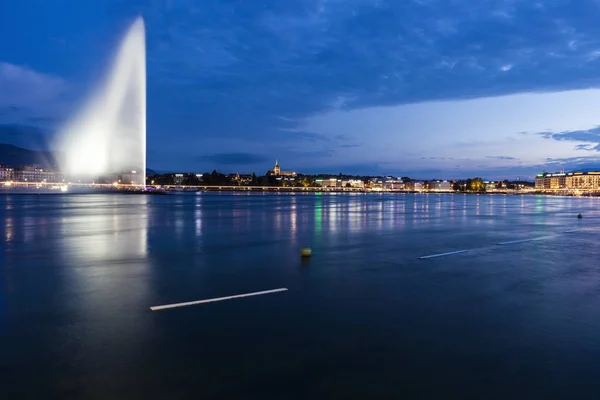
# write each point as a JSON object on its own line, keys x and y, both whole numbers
{"x": 498, "y": 90}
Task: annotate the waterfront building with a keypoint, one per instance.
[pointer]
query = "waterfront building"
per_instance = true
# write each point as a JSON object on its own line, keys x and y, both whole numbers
{"x": 415, "y": 186}
{"x": 583, "y": 180}
{"x": 394, "y": 185}
{"x": 540, "y": 182}
{"x": 178, "y": 179}
{"x": 6, "y": 173}
{"x": 440, "y": 186}
{"x": 490, "y": 186}
{"x": 355, "y": 183}
{"x": 551, "y": 181}
{"x": 570, "y": 181}
{"x": 331, "y": 182}
{"x": 33, "y": 173}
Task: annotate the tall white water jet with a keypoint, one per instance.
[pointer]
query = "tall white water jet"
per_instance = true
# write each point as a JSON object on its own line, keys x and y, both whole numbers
{"x": 107, "y": 138}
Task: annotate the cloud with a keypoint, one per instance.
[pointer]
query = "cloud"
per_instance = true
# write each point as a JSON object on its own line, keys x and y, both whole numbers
{"x": 235, "y": 158}
{"x": 306, "y": 56}
{"x": 22, "y": 87}
{"x": 501, "y": 157}
{"x": 29, "y": 97}
{"x": 586, "y": 147}
{"x": 591, "y": 136}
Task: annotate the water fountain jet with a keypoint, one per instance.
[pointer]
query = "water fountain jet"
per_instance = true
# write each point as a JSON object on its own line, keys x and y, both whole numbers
{"x": 107, "y": 138}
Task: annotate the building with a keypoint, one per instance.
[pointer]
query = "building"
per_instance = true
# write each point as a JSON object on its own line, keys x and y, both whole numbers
{"x": 6, "y": 173}
{"x": 414, "y": 186}
{"x": 178, "y": 179}
{"x": 583, "y": 180}
{"x": 551, "y": 181}
{"x": 355, "y": 183}
{"x": 540, "y": 182}
{"x": 393, "y": 185}
{"x": 440, "y": 186}
{"x": 276, "y": 171}
{"x": 331, "y": 182}
{"x": 32, "y": 173}
{"x": 569, "y": 181}
{"x": 490, "y": 186}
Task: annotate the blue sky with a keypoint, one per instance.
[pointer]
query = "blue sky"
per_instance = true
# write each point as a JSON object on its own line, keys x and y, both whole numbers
{"x": 423, "y": 88}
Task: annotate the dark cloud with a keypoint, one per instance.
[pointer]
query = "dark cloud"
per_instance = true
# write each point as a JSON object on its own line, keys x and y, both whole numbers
{"x": 292, "y": 59}
{"x": 592, "y": 136}
{"x": 235, "y": 158}
{"x": 586, "y": 147}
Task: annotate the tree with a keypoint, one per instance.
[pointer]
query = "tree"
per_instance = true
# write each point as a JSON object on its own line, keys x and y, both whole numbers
{"x": 166, "y": 179}
{"x": 477, "y": 185}
{"x": 307, "y": 182}
{"x": 191, "y": 180}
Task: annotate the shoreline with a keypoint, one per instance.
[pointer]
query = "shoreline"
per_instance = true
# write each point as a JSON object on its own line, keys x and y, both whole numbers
{"x": 254, "y": 189}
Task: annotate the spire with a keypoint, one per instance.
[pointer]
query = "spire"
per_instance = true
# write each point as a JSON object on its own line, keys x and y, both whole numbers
{"x": 276, "y": 163}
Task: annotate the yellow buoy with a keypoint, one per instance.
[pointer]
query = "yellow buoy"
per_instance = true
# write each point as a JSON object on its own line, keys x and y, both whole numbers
{"x": 306, "y": 252}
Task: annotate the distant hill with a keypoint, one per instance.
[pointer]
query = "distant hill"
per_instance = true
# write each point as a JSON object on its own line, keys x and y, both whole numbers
{"x": 16, "y": 156}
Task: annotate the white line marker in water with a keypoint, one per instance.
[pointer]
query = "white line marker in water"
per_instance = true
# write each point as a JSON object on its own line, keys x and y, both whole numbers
{"x": 237, "y": 296}
{"x": 443, "y": 254}
{"x": 523, "y": 240}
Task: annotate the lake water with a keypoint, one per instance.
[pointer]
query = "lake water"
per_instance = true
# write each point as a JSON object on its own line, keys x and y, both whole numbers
{"x": 363, "y": 318}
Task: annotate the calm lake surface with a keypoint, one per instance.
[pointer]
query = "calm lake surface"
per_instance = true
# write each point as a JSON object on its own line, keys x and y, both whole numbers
{"x": 363, "y": 318}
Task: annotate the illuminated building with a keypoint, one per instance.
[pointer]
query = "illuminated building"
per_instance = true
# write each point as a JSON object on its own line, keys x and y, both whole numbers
{"x": 548, "y": 181}
{"x": 393, "y": 184}
{"x": 414, "y": 185}
{"x": 571, "y": 181}
{"x": 178, "y": 179}
{"x": 440, "y": 186}
{"x": 35, "y": 174}
{"x": 6, "y": 173}
{"x": 332, "y": 182}
{"x": 583, "y": 180}
{"x": 355, "y": 183}
{"x": 278, "y": 172}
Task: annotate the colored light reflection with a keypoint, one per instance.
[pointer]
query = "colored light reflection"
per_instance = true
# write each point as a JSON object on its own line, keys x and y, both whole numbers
{"x": 318, "y": 213}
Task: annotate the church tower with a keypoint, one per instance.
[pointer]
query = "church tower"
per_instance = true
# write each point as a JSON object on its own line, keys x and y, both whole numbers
{"x": 276, "y": 169}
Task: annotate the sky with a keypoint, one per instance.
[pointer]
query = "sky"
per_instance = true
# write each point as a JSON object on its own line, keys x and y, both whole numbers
{"x": 421, "y": 88}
